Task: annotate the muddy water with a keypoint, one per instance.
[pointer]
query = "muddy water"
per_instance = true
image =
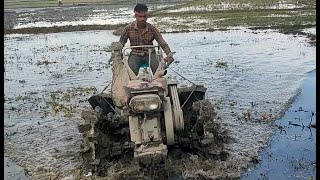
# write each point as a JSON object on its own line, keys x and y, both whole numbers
{"x": 12, "y": 171}
{"x": 48, "y": 77}
{"x": 72, "y": 16}
{"x": 291, "y": 153}
{"x": 251, "y": 77}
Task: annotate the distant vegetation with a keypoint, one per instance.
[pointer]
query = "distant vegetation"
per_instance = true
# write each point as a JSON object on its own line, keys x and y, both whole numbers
{"x": 206, "y": 14}
{"x": 288, "y": 15}
{"x": 46, "y": 3}
{"x": 9, "y": 4}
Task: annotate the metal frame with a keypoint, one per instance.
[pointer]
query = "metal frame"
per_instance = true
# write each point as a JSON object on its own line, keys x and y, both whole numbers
{"x": 149, "y": 52}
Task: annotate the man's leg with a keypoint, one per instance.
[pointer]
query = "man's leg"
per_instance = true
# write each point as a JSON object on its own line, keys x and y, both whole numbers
{"x": 134, "y": 63}
{"x": 154, "y": 63}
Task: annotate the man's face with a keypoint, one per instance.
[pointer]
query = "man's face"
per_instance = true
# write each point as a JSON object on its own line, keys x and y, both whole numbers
{"x": 141, "y": 18}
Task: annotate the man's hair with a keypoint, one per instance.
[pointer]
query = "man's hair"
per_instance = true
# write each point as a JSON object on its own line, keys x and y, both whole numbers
{"x": 141, "y": 8}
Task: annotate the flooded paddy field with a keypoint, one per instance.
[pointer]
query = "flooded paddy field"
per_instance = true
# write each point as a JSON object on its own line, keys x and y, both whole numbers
{"x": 252, "y": 77}
{"x": 291, "y": 152}
{"x": 169, "y": 16}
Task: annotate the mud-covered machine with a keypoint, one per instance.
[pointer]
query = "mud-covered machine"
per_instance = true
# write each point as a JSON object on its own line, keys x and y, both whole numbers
{"x": 144, "y": 115}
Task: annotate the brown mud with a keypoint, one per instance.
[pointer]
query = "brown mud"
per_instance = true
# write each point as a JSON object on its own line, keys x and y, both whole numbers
{"x": 36, "y": 30}
{"x": 113, "y": 149}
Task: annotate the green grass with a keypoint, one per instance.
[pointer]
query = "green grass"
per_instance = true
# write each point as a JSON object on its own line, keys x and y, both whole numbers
{"x": 252, "y": 3}
{"x": 241, "y": 2}
{"x": 258, "y": 15}
{"x": 254, "y": 18}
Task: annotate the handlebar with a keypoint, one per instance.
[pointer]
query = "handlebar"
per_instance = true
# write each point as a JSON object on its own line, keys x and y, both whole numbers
{"x": 141, "y": 46}
{"x": 146, "y": 46}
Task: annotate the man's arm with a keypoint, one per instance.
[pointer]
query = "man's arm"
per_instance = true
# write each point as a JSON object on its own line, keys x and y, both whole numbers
{"x": 163, "y": 44}
{"x": 124, "y": 36}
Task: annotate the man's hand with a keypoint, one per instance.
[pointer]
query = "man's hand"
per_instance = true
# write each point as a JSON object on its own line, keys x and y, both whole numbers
{"x": 169, "y": 59}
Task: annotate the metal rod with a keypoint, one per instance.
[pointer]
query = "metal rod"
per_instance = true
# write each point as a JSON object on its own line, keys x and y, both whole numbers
{"x": 150, "y": 71}
{"x": 106, "y": 87}
{"x": 182, "y": 76}
{"x": 143, "y": 46}
{"x": 111, "y": 107}
{"x": 189, "y": 96}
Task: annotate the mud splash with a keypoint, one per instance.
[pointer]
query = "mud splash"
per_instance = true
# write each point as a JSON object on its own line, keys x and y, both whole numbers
{"x": 122, "y": 166}
{"x": 251, "y": 78}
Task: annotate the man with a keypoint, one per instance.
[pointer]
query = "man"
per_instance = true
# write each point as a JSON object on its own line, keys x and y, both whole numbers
{"x": 142, "y": 33}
